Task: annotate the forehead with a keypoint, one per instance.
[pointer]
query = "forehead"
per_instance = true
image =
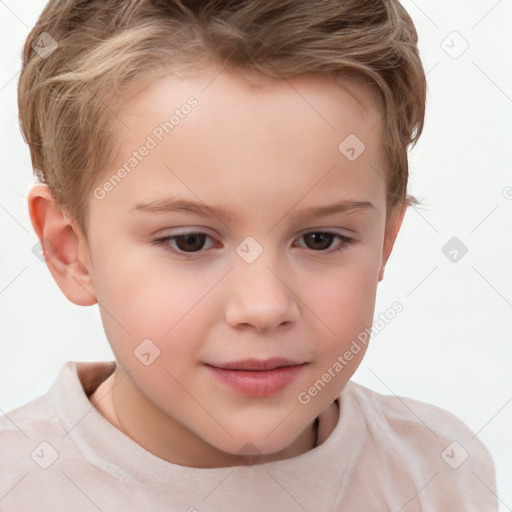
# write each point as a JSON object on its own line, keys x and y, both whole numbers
{"x": 245, "y": 88}
{"x": 249, "y": 137}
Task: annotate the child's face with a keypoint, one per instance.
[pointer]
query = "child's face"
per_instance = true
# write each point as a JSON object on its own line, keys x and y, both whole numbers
{"x": 267, "y": 155}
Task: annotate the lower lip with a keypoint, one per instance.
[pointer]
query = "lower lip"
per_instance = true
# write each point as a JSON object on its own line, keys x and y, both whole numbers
{"x": 258, "y": 383}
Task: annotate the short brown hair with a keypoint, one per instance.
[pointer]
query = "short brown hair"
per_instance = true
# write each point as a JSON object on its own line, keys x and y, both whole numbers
{"x": 67, "y": 100}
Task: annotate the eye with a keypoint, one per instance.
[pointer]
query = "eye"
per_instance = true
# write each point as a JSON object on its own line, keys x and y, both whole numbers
{"x": 185, "y": 243}
{"x": 320, "y": 241}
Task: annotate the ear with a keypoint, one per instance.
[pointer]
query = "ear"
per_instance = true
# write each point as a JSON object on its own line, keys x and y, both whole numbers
{"x": 64, "y": 246}
{"x": 393, "y": 224}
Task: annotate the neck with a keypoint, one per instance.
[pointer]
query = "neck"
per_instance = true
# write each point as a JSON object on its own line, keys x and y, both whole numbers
{"x": 121, "y": 403}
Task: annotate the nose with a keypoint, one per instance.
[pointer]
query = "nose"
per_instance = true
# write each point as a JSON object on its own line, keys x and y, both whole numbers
{"x": 259, "y": 297}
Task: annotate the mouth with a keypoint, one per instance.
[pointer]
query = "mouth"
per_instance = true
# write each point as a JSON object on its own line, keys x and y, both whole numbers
{"x": 257, "y": 378}
{"x": 257, "y": 364}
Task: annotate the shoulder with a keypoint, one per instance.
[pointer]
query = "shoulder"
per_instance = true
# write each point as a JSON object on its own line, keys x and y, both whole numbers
{"x": 407, "y": 414}
{"x": 415, "y": 424}
{"x": 32, "y": 436}
{"x": 25, "y": 421}
{"x": 39, "y": 414}
{"x": 25, "y": 439}
{"x": 25, "y": 413}
{"x": 419, "y": 441}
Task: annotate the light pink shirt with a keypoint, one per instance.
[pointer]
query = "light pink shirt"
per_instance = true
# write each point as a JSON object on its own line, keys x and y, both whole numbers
{"x": 386, "y": 453}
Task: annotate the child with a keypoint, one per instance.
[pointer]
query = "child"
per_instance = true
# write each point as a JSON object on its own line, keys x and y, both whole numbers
{"x": 262, "y": 130}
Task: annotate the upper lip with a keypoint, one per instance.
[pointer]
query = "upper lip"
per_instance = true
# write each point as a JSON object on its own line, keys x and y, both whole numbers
{"x": 257, "y": 364}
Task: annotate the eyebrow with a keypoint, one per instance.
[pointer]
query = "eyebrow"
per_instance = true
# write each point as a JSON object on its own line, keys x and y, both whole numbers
{"x": 165, "y": 206}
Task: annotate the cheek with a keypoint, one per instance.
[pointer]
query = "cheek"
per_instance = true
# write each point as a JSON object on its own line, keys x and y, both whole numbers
{"x": 141, "y": 302}
{"x": 144, "y": 293}
{"x": 343, "y": 297}
{"x": 343, "y": 305}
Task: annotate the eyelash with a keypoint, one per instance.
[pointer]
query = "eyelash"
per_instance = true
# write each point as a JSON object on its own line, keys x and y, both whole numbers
{"x": 345, "y": 242}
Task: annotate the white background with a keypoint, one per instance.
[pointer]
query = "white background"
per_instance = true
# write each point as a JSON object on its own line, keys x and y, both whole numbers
{"x": 451, "y": 345}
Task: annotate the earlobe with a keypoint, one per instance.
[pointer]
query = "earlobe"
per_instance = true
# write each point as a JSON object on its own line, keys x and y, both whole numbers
{"x": 64, "y": 245}
{"x": 393, "y": 224}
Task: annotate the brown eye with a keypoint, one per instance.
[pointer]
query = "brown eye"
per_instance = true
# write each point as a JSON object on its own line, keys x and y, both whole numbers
{"x": 184, "y": 244}
{"x": 190, "y": 242}
{"x": 319, "y": 241}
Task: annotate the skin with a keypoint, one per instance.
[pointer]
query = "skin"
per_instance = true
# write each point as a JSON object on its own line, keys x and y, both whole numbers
{"x": 266, "y": 149}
